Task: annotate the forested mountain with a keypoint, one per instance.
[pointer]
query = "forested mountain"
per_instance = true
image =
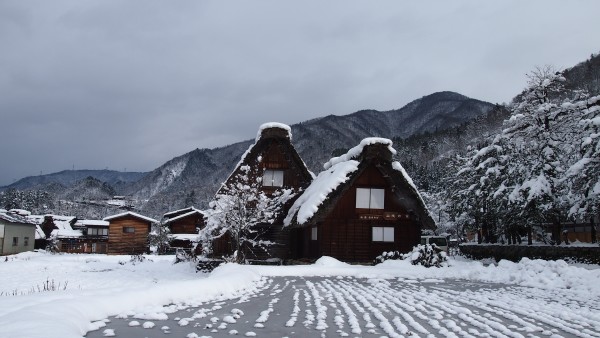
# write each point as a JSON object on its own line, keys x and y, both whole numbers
{"x": 68, "y": 178}
{"x": 192, "y": 178}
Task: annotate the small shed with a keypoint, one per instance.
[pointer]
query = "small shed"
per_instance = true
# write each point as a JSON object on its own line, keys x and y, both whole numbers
{"x": 128, "y": 233}
{"x": 184, "y": 225}
{"x": 17, "y": 233}
{"x": 362, "y": 204}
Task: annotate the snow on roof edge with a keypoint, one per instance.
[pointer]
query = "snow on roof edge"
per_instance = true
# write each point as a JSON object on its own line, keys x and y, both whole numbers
{"x": 357, "y": 150}
{"x": 398, "y": 167}
{"x": 130, "y": 213}
{"x": 273, "y": 125}
{"x": 318, "y": 191}
{"x": 184, "y": 215}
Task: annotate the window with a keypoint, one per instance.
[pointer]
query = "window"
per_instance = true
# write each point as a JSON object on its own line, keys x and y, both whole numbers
{"x": 383, "y": 234}
{"x": 273, "y": 178}
{"x": 26, "y": 241}
{"x": 313, "y": 233}
{"x": 128, "y": 230}
{"x": 370, "y": 198}
{"x": 99, "y": 232}
{"x": 15, "y": 241}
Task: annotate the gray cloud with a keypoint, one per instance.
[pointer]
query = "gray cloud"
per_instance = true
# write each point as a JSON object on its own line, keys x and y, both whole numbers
{"x": 130, "y": 84}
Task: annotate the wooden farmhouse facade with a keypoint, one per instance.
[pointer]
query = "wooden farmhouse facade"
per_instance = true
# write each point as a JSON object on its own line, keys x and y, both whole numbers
{"x": 363, "y": 204}
{"x": 275, "y": 159}
{"x": 128, "y": 233}
{"x": 184, "y": 225}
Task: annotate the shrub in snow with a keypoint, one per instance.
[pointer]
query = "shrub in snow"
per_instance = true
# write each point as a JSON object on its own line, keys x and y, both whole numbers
{"x": 427, "y": 255}
{"x": 395, "y": 255}
{"x": 207, "y": 265}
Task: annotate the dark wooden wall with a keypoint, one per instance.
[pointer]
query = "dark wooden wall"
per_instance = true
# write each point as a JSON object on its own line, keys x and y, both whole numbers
{"x": 346, "y": 233}
{"x": 128, "y": 243}
{"x": 276, "y": 155}
{"x": 187, "y": 225}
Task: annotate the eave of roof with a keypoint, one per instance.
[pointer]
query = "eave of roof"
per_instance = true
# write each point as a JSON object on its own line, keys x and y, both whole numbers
{"x": 130, "y": 214}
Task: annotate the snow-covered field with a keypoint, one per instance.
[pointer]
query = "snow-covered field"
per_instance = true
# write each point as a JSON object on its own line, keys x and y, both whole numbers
{"x": 530, "y": 298}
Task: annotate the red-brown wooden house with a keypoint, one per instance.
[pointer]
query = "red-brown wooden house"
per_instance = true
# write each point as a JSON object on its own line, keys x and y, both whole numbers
{"x": 184, "y": 225}
{"x": 128, "y": 233}
{"x": 361, "y": 205}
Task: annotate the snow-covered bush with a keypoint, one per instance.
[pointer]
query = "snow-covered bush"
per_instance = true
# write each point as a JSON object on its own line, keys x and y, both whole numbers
{"x": 427, "y": 255}
{"x": 388, "y": 255}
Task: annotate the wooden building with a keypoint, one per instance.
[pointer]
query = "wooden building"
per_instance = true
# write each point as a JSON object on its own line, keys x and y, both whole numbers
{"x": 95, "y": 236}
{"x": 363, "y": 204}
{"x": 184, "y": 225}
{"x": 58, "y": 230}
{"x": 273, "y": 157}
{"x": 128, "y": 233}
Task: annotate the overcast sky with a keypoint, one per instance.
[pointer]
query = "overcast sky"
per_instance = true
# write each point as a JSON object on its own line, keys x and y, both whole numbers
{"x": 132, "y": 84}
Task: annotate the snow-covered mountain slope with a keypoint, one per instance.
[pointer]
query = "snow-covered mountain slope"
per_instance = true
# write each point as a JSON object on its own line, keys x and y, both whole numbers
{"x": 192, "y": 178}
{"x": 205, "y": 169}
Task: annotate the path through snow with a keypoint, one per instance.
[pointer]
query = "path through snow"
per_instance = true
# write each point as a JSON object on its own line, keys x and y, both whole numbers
{"x": 359, "y": 307}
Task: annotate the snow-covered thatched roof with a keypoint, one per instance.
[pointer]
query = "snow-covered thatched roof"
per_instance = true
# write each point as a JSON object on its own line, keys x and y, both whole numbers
{"x": 266, "y": 133}
{"x": 339, "y": 173}
{"x": 63, "y": 225}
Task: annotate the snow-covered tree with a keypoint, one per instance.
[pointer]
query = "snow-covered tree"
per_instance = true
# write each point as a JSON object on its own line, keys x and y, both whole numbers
{"x": 160, "y": 238}
{"x": 583, "y": 176}
{"x": 520, "y": 178}
{"x": 244, "y": 211}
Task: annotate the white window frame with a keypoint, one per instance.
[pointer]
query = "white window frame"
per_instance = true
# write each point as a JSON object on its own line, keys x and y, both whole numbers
{"x": 314, "y": 233}
{"x": 370, "y": 198}
{"x": 382, "y": 234}
{"x": 272, "y": 178}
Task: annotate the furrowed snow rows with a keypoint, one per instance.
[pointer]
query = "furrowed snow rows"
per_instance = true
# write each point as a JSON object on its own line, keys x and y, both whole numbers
{"x": 355, "y": 307}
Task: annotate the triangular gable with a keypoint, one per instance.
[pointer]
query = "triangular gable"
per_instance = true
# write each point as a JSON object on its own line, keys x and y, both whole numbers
{"x": 187, "y": 214}
{"x": 130, "y": 214}
{"x": 340, "y": 174}
{"x": 268, "y": 134}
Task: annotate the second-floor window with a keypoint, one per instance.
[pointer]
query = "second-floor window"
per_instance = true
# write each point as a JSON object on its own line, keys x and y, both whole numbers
{"x": 273, "y": 178}
{"x": 97, "y": 232}
{"x": 128, "y": 230}
{"x": 370, "y": 198}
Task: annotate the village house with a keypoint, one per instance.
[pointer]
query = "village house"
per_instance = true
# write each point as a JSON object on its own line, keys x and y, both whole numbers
{"x": 128, "y": 233}
{"x": 184, "y": 226}
{"x": 361, "y": 205}
{"x": 57, "y": 230}
{"x": 17, "y": 233}
{"x": 274, "y": 158}
{"x": 95, "y": 235}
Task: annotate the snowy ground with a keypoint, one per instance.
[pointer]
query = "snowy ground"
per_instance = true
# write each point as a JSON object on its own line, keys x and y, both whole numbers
{"x": 531, "y": 298}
